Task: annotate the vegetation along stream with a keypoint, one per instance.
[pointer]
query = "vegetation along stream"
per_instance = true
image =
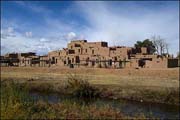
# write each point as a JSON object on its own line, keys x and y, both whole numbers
{"x": 130, "y": 108}
{"x": 78, "y": 99}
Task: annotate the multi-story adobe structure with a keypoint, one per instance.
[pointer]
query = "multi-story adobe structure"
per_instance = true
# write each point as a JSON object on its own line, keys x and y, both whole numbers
{"x": 92, "y": 54}
{"x": 89, "y": 54}
{"x": 98, "y": 54}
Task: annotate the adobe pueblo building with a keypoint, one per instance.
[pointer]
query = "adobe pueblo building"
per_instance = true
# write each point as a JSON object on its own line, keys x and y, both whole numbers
{"x": 98, "y": 54}
{"x": 80, "y": 53}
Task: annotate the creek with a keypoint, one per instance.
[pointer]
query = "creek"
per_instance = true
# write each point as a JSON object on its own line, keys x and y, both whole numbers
{"x": 130, "y": 108}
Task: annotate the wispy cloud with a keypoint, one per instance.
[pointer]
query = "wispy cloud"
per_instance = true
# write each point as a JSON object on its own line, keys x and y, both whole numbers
{"x": 34, "y": 7}
{"x": 125, "y": 29}
{"x": 119, "y": 23}
{"x": 26, "y": 43}
{"x": 6, "y": 33}
{"x": 28, "y": 34}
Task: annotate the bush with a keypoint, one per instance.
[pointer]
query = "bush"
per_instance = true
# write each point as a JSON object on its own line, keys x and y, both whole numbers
{"x": 14, "y": 99}
{"x": 14, "y": 92}
{"x": 41, "y": 87}
{"x": 80, "y": 87}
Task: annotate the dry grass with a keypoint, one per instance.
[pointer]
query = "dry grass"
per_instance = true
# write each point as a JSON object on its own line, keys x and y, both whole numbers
{"x": 122, "y": 77}
{"x": 126, "y": 83}
{"x": 17, "y": 104}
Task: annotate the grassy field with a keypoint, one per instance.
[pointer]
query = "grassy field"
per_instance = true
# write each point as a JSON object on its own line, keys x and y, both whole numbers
{"x": 151, "y": 85}
{"x": 144, "y": 85}
{"x": 16, "y": 98}
{"x": 16, "y": 103}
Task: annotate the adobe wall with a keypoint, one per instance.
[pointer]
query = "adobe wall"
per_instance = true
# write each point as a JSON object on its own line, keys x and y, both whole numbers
{"x": 157, "y": 63}
{"x": 25, "y": 61}
{"x": 133, "y": 63}
{"x": 143, "y": 50}
{"x": 139, "y": 56}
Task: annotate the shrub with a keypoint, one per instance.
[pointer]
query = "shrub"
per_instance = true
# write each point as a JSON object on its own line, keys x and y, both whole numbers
{"x": 41, "y": 87}
{"x": 14, "y": 99}
{"x": 14, "y": 92}
{"x": 80, "y": 87}
{"x": 41, "y": 110}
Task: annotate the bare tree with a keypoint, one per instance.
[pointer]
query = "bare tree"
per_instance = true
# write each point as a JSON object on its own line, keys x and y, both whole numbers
{"x": 160, "y": 44}
{"x": 156, "y": 43}
{"x": 167, "y": 48}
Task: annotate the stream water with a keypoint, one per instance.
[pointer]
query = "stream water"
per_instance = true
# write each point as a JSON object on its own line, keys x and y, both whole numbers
{"x": 129, "y": 108}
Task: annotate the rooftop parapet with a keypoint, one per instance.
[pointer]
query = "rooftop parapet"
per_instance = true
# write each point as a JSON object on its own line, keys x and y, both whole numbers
{"x": 79, "y": 41}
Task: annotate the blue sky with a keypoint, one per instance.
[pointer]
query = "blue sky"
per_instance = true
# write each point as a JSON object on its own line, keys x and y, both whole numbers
{"x": 44, "y": 26}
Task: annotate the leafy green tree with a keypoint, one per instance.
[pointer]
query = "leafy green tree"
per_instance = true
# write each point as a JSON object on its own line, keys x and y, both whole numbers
{"x": 146, "y": 43}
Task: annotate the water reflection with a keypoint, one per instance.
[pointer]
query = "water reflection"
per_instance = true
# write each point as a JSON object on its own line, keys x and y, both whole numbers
{"x": 130, "y": 108}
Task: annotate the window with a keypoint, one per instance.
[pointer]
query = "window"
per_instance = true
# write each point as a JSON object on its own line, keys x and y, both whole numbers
{"x": 56, "y": 60}
{"x": 77, "y": 59}
{"x": 53, "y": 58}
{"x": 86, "y": 50}
{"x": 72, "y": 60}
{"x": 115, "y": 58}
{"x": 104, "y": 44}
{"x": 79, "y": 50}
{"x": 92, "y": 51}
{"x": 77, "y": 45}
{"x": 71, "y": 51}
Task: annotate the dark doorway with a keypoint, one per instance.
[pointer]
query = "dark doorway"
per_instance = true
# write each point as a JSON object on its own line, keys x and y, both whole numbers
{"x": 115, "y": 58}
{"x": 69, "y": 61}
{"x": 110, "y": 62}
{"x": 53, "y": 60}
{"x": 77, "y": 59}
{"x": 93, "y": 63}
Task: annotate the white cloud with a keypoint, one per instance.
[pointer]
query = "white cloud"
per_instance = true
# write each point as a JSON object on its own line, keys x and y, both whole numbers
{"x": 28, "y": 34}
{"x": 116, "y": 25}
{"x": 40, "y": 45}
{"x": 44, "y": 40}
{"x": 10, "y": 29}
{"x": 9, "y": 32}
{"x": 71, "y": 36}
{"x": 118, "y": 28}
